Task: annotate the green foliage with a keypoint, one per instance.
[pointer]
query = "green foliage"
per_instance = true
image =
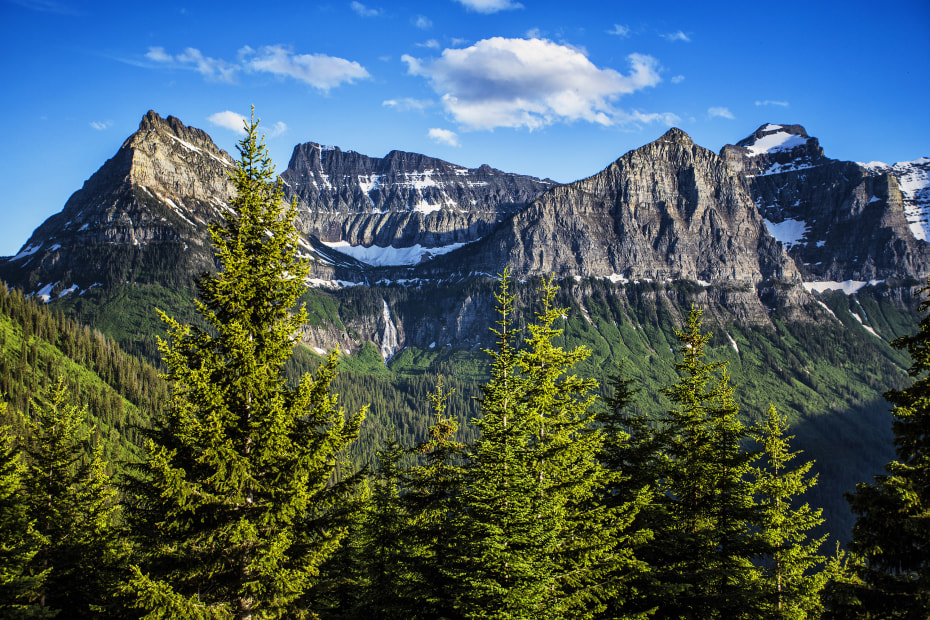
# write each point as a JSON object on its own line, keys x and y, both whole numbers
{"x": 891, "y": 537}
{"x": 433, "y": 503}
{"x": 71, "y": 504}
{"x": 236, "y": 504}
{"x": 702, "y": 553}
{"x": 20, "y": 582}
{"x": 509, "y": 532}
{"x": 535, "y": 542}
{"x": 793, "y": 573}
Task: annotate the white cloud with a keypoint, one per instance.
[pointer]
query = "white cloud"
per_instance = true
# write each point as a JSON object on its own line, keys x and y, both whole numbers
{"x": 100, "y": 126}
{"x": 228, "y": 120}
{"x": 636, "y": 117}
{"x": 443, "y": 136}
{"x": 213, "y": 69}
{"x": 490, "y": 6}
{"x": 432, "y": 44}
{"x": 158, "y": 54}
{"x": 720, "y": 112}
{"x": 407, "y": 103}
{"x": 535, "y": 33}
{"x": 318, "y": 70}
{"x": 529, "y": 83}
{"x": 620, "y": 31}
{"x": 236, "y": 122}
{"x": 678, "y": 79}
{"x": 364, "y": 11}
{"x": 422, "y": 22}
{"x": 783, "y": 104}
{"x": 677, "y": 36}
{"x": 210, "y": 68}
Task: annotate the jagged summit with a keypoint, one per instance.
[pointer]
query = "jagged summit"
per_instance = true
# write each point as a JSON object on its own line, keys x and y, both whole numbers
{"x": 676, "y": 135}
{"x": 839, "y": 220}
{"x": 402, "y": 207}
{"x": 668, "y": 210}
{"x": 141, "y": 216}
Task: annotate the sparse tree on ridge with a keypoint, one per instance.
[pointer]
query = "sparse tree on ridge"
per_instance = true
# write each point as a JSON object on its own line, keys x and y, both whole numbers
{"x": 234, "y": 503}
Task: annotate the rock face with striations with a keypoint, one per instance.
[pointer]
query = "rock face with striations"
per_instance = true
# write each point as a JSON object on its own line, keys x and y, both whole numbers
{"x": 401, "y": 200}
{"x": 142, "y": 217}
{"x": 839, "y": 220}
{"x": 668, "y": 210}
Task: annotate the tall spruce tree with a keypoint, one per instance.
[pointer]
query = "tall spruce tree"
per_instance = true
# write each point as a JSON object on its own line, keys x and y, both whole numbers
{"x": 506, "y": 564}
{"x": 793, "y": 572}
{"x": 703, "y": 549}
{"x": 234, "y": 505}
{"x": 71, "y": 504}
{"x": 537, "y": 542}
{"x": 388, "y": 593}
{"x": 592, "y": 545}
{"x": 432, "y": 501}
{"x": 891, "y": 536}
{"x": 629, "y": 453}
{"x": 20, "y": 582}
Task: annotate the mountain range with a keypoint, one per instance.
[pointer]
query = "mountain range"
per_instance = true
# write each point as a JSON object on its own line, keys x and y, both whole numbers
{"x": 807, "y": 267}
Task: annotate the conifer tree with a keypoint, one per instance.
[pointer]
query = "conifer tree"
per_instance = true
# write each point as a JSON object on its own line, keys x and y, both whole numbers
{"x": 235, "y": 503}
{"x": 385, "y": 542}
{"x": 702, "y": 554}
{"x": 71, "y": 504}
{"x": 891, "y": 536}
{"x": 591, "y": 539}
{"x": 432, "y": 501}
{"x": 629, "y": 453}
{"x": 793, "y": 572}
{"x": 506, "y": 564}
{"x": 20, "y": 582}
{"x": 537, "y": 542}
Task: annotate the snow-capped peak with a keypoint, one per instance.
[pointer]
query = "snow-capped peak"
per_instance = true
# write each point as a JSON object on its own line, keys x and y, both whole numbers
{"x": 773, "y": 138}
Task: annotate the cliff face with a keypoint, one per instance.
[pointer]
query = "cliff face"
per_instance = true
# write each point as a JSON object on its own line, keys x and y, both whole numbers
{"x": 668, "y": 210}
{"x": 839, "y": 220}
{"x": 142, "y": 217}
{"x": 401, "y": 200}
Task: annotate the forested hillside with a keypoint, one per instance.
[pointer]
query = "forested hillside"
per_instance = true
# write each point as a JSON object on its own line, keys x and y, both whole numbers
{"x": 38, "y": 347}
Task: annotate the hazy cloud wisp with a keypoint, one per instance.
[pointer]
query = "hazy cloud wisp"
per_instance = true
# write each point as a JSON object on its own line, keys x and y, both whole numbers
{"x": 490, "y": 6}
{"x": 443, "y": 136}
{"x": 318, "y": 70}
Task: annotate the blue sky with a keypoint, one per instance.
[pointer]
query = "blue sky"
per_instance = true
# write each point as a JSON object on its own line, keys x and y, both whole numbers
{"x": 551, "y": 89}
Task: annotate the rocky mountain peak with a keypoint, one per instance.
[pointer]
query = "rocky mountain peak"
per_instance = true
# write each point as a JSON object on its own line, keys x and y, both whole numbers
{"x": 368, "y": 207}
{"x": 839, "y": 220}
{"x": 771, "y": 140}
{"x": 677, "y": 136}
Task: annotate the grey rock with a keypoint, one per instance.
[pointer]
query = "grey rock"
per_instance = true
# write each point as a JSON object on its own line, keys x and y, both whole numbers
{"x": 402, "y": 199}
{"x": 854, "y": 215}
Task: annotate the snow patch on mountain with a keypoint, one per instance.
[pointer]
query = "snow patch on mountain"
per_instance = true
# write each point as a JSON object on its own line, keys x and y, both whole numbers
{"x": 848, "y": 286}
{"x": 378, "y": 256}
{"x": 789, "y": 232}
{"x": 777, "y": 141}
{"x": 914, "y": 180}
{"x": 27, "y": 251}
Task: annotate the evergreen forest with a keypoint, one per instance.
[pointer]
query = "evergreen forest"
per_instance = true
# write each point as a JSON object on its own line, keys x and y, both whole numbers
{"x": 249, "y": 478}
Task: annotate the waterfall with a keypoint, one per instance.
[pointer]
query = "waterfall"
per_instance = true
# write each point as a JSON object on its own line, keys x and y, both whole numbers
{"x": 389, "y": 337}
